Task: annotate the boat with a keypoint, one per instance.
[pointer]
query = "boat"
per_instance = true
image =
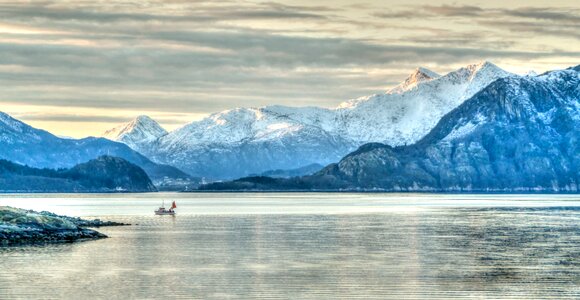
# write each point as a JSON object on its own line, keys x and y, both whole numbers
{"x": 163, "y": 211}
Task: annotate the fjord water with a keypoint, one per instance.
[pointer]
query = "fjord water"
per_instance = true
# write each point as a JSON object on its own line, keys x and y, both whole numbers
{"x": 305, "y": 246}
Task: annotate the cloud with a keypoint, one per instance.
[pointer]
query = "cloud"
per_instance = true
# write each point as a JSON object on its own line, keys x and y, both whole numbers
{"x": 204, "y": 56}
{"x": 469, "y": 11}
{"x": 454, "y": 11}
{"x": 191, "y": 13}
{"x": 73, "y": 118}
{"x": 432, "y": 11}
{"x": 545, "y": 13}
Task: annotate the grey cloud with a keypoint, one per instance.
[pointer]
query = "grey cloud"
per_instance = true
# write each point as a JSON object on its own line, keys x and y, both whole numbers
{"x": 455, "y": 11}
{"x": 113, "y": 120}
{"x": 72, "y": 118}
{"x": 193, "y": 14}
{"x": 547, "y": 20}
{"x": 403, "y": 14}
{"x": 533, "y": 28}
{"x": 545, "y": 14}
{"x": 250, "y": 50}
{"x": 469, "y": 11}
{"x": 432, "y": 11}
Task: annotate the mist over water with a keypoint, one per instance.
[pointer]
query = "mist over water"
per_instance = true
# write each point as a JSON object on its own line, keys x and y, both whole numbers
{"x": 306, "y": 246}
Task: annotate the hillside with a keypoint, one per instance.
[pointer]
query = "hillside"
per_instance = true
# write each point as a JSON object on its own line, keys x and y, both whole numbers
{"x": 103, "y": 174}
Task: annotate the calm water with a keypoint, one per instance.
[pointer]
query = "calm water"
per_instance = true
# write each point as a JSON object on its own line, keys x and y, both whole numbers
{"x": 306, "y": 246}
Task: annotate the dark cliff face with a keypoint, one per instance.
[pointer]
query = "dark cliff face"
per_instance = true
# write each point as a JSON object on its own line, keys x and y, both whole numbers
{"x": 518, "y": 134}
{"x": 104, "y": 174}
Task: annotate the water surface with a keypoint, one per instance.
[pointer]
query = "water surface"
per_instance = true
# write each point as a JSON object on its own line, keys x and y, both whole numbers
{"x": 306, "y": 246}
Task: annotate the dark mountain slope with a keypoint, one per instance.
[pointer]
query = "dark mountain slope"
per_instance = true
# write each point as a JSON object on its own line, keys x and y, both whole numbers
{"x": 104, "y": 174}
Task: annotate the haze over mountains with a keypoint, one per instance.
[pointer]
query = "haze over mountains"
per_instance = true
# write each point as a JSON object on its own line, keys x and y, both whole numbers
{"x": 243, "y": 141}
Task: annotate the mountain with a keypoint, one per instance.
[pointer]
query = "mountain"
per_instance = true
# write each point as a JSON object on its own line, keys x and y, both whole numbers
{"x": 519, "y": 134}
{"x": 406, "y": 116}
{"x": 103, "y": 174}
{"x": 138, "y": 133}
{"x": 23, "y": 144}
{"x": 243, "y": 141}
{"x": 240, "y": 142}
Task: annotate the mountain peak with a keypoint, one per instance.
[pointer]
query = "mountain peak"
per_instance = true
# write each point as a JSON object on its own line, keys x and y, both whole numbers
{"x": 482, "y": 65}
{"x": 142, "y": 119}
{"x": 418, "y": 76}
{"x": 424, "y": 72}
{"x": 482, "y": 72}
{"x": 139, "y": 130}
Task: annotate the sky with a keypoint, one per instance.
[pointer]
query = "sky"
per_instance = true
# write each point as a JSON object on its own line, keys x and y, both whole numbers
{"x": 78, "y": 68}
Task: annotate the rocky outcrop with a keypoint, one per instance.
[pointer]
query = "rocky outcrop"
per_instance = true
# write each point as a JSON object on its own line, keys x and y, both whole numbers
{"x": 26, "y": 227}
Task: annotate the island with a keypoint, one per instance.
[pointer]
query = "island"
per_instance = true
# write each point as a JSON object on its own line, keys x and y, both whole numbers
{"x": 28, "y": 227}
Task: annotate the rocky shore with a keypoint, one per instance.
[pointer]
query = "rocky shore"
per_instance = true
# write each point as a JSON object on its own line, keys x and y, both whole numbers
{"x": 26, "y": 227}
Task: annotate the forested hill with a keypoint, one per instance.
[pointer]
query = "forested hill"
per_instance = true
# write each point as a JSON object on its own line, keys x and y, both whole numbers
{"x": 103, "y": 174}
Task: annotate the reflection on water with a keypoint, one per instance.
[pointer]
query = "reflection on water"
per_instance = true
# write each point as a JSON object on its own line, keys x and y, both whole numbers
{"x": 433, "y": 252}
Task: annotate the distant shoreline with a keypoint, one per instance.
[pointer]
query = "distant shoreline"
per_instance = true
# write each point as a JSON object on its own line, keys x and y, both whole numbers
{"x": 312, "y": 191}
{"x": 387, "y": 192}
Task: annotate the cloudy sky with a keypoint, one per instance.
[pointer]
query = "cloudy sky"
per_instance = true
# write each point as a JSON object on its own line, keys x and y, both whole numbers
{"x": 78, "y": 68}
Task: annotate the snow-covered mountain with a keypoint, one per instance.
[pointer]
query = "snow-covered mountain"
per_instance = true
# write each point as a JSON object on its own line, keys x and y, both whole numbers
{"x": 519, "y": 134}
{"x": 141, "y": 131}
{"x": 242, "y": 141}
{"x": 26, "y": 145}
{"x": 406, "y": 113}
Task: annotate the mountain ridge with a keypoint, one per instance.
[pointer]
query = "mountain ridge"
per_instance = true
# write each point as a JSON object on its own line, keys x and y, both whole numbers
{"x": 256, "y": 140}
{"x": 24, "y": 144}
{"x": 519, "y": 134}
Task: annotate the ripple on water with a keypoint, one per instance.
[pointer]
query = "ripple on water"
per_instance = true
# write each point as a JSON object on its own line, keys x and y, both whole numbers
{"x": 429, "y": 253}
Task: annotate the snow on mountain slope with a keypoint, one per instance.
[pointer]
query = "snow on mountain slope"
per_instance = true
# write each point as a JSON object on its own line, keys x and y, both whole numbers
{"x": 398, "y": 118}
{"x": 13, "y": 131}
{"x": 239, "y": 125}
{"x": 140, "y": 131}
{"x": 519, "y": 134}
{"x": 402, "y": 115}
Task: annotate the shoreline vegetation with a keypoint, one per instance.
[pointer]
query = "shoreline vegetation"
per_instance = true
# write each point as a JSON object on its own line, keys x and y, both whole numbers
{"x": 19, "y": 227}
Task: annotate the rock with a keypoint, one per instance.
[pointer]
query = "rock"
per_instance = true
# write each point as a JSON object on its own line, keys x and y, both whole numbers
{"x": 26, "y": 227}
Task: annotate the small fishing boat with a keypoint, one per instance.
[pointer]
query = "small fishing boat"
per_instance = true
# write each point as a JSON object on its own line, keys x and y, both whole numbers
{"x": 163, "y": 211}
